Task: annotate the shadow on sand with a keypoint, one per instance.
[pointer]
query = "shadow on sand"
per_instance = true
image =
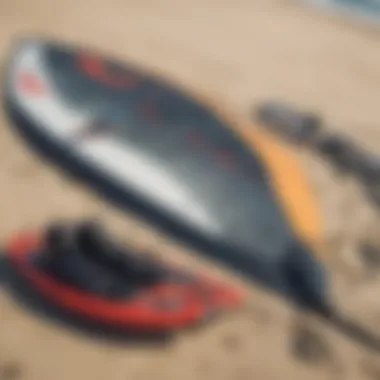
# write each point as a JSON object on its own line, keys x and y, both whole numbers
{"x": 32, "y": 302}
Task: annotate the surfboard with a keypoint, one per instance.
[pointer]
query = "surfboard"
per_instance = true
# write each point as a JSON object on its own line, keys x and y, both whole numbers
{"x": 159, "y": 150}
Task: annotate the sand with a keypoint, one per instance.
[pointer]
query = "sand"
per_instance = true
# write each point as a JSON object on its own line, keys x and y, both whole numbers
{"x": 239, "y": 52}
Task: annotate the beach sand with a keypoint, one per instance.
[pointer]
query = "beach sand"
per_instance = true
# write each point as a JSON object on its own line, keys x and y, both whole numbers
{"x": 239, "y": 52}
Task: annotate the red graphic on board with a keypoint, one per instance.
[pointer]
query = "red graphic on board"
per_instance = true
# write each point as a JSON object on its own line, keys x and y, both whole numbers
{"x": 99, "y": 69}
{"x": 30, "y": 84}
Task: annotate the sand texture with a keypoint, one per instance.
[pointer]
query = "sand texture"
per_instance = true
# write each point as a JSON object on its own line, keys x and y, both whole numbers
{"x": 239, "y": 52}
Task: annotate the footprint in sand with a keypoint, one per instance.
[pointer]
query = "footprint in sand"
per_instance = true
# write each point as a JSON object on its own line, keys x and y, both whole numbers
{"x": 370, "y": 370}
{"x": 370, "y": 255}
{"x": 10, "y": 371}
{"x": 232, "y": 342}
{"x": 310, "y": 347}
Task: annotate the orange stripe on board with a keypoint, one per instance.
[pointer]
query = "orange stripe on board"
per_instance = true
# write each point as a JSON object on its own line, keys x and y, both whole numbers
{"x": 292, "y": 186}
{"x": 289, "y": 180}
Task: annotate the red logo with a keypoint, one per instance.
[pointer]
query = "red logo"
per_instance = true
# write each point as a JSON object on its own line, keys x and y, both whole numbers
{"x": 100, "y": 70}
{"x": 30, "y": 84}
